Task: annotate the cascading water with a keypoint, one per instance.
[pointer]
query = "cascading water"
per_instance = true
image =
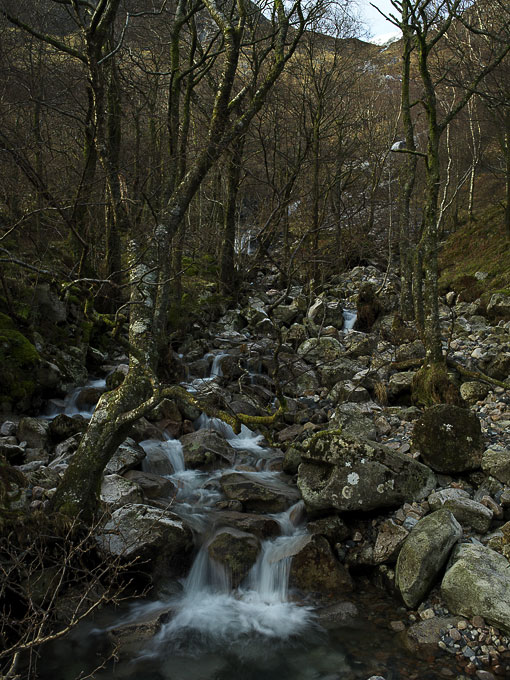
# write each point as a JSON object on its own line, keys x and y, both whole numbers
{"x": 350, "y": 316}
{"x": 69, "y": 406}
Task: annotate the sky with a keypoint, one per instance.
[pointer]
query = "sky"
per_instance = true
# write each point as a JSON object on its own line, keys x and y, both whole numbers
{"x": 379, "y": 29}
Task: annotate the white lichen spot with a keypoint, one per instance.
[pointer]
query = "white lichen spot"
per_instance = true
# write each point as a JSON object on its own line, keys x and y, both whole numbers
{"x": 469, "y": 439}
{"x": 448, "y": 427}
{"x": 362, "y": 461}
{"x": 380, "y": 488}
{"x": 347, "y": 491}
{"x": 348, "y": 463}
{"x": 138, "y": 328}
{"x": 100, "y": 415}
{"x": 353, "y": 478}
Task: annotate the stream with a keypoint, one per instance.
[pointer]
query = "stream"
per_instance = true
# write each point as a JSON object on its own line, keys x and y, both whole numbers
{"x": 258, "y": 630}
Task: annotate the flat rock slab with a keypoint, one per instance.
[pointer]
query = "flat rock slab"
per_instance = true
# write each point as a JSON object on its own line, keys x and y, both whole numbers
{"x": 259, "y": 525}
{"x": 345, "y": 473}
{"x": 259, "y": 492}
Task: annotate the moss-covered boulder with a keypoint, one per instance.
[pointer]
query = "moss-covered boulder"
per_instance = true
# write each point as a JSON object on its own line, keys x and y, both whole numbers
{"x": 236, "y": 550}
{"x": 476, "y": 584}
{"x": 449, "y": 438}
{"x": 18, "y": 359}
{"x": 344, "y": 473}
{"x": 424, "y": 553}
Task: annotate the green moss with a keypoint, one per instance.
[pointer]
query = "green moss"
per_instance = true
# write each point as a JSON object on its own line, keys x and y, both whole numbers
{"x": 18, "y": 356}
{"x": 432, "y": 385}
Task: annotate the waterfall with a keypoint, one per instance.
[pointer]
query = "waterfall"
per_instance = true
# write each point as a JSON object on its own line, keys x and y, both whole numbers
{"x": 350, "y": 316}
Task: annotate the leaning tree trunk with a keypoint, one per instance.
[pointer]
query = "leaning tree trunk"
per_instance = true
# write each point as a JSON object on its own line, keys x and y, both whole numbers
{"x": 78, "y": 492}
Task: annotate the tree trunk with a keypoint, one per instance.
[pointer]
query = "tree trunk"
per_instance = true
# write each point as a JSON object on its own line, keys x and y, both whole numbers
{"x": 227, "y": 263}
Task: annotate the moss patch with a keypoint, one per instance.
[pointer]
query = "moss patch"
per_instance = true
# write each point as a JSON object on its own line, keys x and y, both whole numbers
{"x": 18, "y": 356}
{"x": 432, "y": 385}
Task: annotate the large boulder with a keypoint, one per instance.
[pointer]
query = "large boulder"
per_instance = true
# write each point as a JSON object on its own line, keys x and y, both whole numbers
{"x": 258, "y": 493}
{"x": 345, "y": 473}
{"x": 476, "y": 584}
{"x": 236, "y": 550}
{"x": 33, "y": 431}
{"x": 64, "y": 426}
{"x": 320, "y": 350}
{"x": 353, "y": 419}
{"x": 204, "y": 448}
{"x": 117, "y": 491}
{"x": 261, "y": 526}
{"x": 314, "y": 568}
{"x": 127, "y": 457}
{"x": 152, "y": 486}
{"x": 499, "y": 306}
{"x": 140, "y": 532}
{"x": 449, "y": 438}
{"x": 340, "y": 369}
{"x": 424, "y": 553}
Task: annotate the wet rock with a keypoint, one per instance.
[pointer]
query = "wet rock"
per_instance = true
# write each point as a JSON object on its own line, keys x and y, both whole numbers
{"x": 496, "y": 462}
{"x": 290, "y": 433}
{"x": 476, "y": 583}
{"x": 344, "y": 473}
{"x": 205, "y": 447}
{"x": 64, "y": 426}
{"x": 291, "y": 460}
{"x": 390, "y": 539}
{"x": 314, "y": 568}
{"x": 423, "y": 554}
{"x": 261, "y": 526}
{"x": 127, "y": 457}
{"x": 34, "y": 432}
{"x": 117, "y": 491}
{"x": 424, "y": 635}
{"x": 236, "y": 550}
{"x": 88, "y": 397}
{"x": 259, "y": 493}
{"x": 142, "y": 429}
{"x": 333, "y": 528}
{"x": 449, "y": 439}
{"x": 141, "y": 532}
{"x": 152, "y": 486}
{"x": 338, "y": 615}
